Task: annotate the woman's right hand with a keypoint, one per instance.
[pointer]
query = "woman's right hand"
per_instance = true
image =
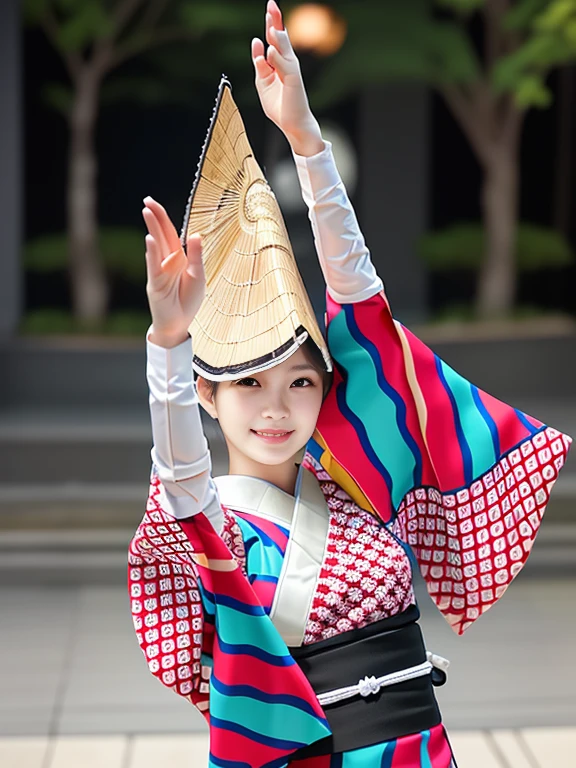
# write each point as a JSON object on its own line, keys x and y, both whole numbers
{"x": 176, "y": 281}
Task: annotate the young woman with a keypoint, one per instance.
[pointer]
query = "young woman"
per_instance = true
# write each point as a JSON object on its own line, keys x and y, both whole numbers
{"x": 278, "y": 599}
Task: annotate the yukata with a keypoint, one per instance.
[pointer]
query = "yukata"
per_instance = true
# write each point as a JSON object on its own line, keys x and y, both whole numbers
{"x": 236, "y": 584}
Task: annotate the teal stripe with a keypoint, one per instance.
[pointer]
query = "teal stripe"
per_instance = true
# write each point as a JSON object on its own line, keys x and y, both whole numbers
{"x": 378, "y": 412}
{"x": 474, "y": 426}
{"x": 364, "y": 756}
{"x": 277, "y": 721}
{"x": 263, "y": 560}
{"x": 425, "y": 761}
{"x": 207, "y": 661}
{"x": 237, "y": 628}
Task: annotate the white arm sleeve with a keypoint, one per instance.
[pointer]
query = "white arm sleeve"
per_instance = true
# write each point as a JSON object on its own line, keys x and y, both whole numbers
{"x": 344, "y": 259}
{"x": 180, "y": 453}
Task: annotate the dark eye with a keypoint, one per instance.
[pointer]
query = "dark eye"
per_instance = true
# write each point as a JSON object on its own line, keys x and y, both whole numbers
{"x": 302, "y": 383}
{"x": 247, "y": 382}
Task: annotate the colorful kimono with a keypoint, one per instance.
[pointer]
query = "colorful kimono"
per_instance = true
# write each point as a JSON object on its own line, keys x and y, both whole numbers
{"x": 408, "y": 459}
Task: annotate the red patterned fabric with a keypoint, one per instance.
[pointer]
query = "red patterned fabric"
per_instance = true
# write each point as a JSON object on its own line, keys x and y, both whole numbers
{"x": 471, "y": 544}
{"x": 190, "y": 598}
{"x": 366, "y": 575}
{"x": 166, "y": 605}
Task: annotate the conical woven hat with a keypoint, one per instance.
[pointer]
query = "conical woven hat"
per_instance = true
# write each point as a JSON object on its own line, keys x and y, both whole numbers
{"x": 256, "y": 312}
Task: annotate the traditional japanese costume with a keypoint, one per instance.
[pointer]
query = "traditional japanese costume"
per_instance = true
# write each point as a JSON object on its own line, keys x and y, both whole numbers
{"x": 290, "y": 621}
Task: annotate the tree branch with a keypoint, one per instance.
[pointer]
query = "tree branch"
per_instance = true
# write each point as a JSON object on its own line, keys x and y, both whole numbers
{"x": 153, "y": 13}
{"x": 511, "y": 120}
{"x": 498, "y": 41}
{"x": 139, "y": 43}
{"x": 72, "y": 59}
{"x": 472, "y": 114}
{"x": 123, "y": 14}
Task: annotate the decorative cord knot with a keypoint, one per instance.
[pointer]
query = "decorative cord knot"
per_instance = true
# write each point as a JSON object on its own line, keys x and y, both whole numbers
{"x": 368, "y": 686}
{"x": 439, "y": 662}
{"x": 439, "y": 668}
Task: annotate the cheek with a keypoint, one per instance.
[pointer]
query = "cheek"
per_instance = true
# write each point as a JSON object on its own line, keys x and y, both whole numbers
{"x": 309, "y": 405}
{"x": 234, "y": 411}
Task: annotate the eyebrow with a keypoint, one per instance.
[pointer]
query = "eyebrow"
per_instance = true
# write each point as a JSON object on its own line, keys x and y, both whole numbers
{"x": 302, "y": 367}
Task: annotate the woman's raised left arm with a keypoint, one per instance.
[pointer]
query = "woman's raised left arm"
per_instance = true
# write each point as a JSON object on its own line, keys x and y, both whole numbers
{"x": 344, "y": 258}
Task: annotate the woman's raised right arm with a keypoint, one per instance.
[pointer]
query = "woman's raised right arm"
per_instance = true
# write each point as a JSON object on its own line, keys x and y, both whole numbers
{"x": 175, "y": 290}
{"x": 180, "y": 453}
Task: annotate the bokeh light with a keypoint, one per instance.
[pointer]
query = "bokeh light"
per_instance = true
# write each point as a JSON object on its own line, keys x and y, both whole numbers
{"x": 316, "y": 28}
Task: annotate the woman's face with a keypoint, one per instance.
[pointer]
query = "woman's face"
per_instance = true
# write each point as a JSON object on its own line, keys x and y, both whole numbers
{"x": 268, "y": 417}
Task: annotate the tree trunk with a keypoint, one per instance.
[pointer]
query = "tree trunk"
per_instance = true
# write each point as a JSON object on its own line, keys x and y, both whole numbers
{"x": 87, "y": 275}
{"x": 496, "y": 289}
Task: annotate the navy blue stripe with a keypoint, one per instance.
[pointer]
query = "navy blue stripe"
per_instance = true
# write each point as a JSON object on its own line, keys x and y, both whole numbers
{"x": 488, "y": 419}
{"x": 314, "y": 449}
{"x": 269, "y": 698}
{"x": 262, "y": 577}
{"x": 207, "y": 601}
{"x": 230, "y": 763}
{"x": 237, "y": 605}
{"x": 360, "y": 430}
{"x": 237, "y": 649}
{"x": 530, "y": 427}
{"x": 388, "y": 754}
{"x": 463, "y": 443}
{"x": 278, "y": 762}
{"x": 388, "y": 389}
{"x": 269, "y": 741}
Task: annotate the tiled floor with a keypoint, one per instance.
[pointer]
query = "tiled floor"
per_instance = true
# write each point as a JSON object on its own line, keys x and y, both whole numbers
{"x": 75, "y": 690}
{"x": 529, "y": 748}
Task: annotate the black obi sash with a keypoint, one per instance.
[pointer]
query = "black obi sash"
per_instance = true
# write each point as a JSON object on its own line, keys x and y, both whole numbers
{"x": 381, "y": 648}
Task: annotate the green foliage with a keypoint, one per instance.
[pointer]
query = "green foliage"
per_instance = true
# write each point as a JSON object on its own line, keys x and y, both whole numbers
{"x": 237, "y": 16}
{"x": 461, "y": 6}
{"x": 50, "y": 322}
{"x": 395, "y": 41}
{"x": 59, "y": 97}
{"x": 548, "y": 41}
{"x": 521, "y": 15}
{"x": 77, "y": 23}
{"x": 392, "y": 41}
{"x": 532, "y": 92}
{"x": 85, "y": 22}
{"x": 33, "y": 10}
{"x": 121, "y": 248}
{"x": 461, "y": 246}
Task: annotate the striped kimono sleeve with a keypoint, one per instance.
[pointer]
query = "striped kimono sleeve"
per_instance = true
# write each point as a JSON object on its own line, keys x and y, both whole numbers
{"x": 206, "y": 636}
{"x": 460, "y": 476}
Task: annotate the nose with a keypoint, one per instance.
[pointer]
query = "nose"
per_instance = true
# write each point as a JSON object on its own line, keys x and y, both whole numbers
{"x": 275, "y": 408}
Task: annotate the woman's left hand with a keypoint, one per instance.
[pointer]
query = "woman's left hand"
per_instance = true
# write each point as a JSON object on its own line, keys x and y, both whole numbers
{"x": 281, "y": 88}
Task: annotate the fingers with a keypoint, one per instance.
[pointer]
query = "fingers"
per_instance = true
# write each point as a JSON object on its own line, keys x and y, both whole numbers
{"x": 195, "y": 266}
{"x": 153, "y": 258}
{"x": 155, "y": 230}
{"x": 262, "y": 67}
{"x": 257, "y": 48}
{"x": 170, "y": 235}
{"x": 281, "y": 41}
{"x": 279, "y": 62}
{"x": 275, "y": 14}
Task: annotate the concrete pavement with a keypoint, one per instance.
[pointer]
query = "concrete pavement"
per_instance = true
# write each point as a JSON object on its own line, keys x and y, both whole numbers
{"x": 527, "y": 748}
{"x": 72, "y": 665}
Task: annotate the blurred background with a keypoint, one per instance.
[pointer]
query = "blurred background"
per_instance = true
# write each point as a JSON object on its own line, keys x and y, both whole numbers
{"x": 454, "y": 128}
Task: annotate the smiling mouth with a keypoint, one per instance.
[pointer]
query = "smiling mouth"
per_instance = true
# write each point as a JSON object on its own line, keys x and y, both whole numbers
{"x": 273, "y": 436}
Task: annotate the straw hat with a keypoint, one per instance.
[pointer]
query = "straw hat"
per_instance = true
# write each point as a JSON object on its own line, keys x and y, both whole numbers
{"x": 256, "y": 312}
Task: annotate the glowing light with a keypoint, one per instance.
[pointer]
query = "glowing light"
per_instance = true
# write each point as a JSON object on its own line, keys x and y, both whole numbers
{"x": 316, "y": 28}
